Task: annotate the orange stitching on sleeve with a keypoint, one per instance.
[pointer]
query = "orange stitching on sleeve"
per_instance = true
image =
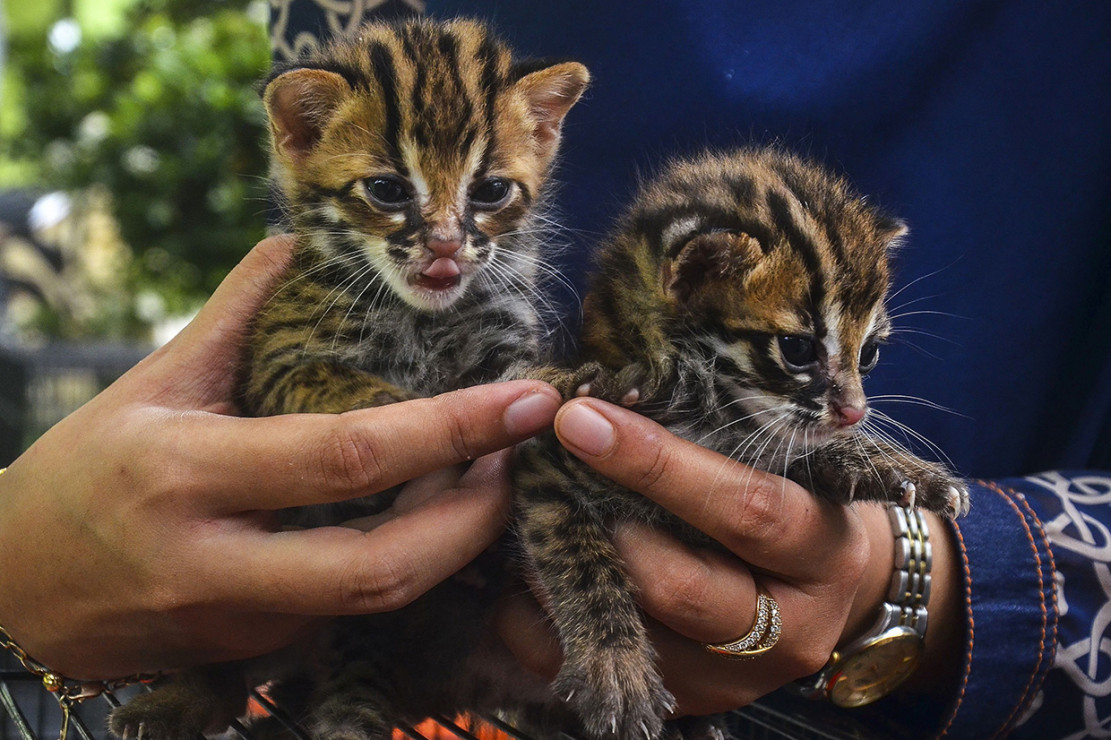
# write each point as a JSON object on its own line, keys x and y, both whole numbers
{"x": 971, "y": 629}
{"x": 1027, "y": 696}
{"x": 1055, "y": 606}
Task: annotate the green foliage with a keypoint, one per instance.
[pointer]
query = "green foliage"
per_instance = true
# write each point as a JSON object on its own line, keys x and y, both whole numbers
{"x": 167, "y": 118}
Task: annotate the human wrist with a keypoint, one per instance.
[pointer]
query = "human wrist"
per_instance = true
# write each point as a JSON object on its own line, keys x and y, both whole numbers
{"x": 940, "y": 665}
{"x": 874, "y": 582}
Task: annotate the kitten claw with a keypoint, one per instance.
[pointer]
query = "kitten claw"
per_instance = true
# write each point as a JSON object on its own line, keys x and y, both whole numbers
{"x": 583, "y": 390}
{"x": 631, "y": 397}
{"x": 959, "y": 503}
{"x": 910, "y": 493}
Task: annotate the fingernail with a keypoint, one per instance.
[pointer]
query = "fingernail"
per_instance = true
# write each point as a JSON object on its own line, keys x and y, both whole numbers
{"x": 531, "y": 413}
{"x": 584, "y": 428}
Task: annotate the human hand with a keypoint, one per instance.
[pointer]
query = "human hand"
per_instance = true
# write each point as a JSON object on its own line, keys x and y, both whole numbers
{"x": 139, "y": 533}
{"x": 827, "y": 566}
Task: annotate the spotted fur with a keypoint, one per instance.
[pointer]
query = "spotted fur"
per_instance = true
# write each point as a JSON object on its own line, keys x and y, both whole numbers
{"x": 739, "y": 302}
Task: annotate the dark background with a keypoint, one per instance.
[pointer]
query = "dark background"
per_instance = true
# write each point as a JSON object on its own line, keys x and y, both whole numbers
{"x": 983, "y": 124}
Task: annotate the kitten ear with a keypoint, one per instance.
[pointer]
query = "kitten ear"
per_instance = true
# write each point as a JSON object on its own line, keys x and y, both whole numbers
{"x": 706, "y": 259}
{"x": 300, "y": 104}
{"x": 550, "y": 92}
{"x": 892, "y": 232}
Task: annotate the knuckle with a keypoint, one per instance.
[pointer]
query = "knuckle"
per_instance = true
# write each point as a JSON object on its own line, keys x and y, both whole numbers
{"x": 808, "y": 658}
{"x": 348, "y": 460}
{"x": 657, "y": 472}
{"x": 683, "y": 591}
{"x": 378, "y": 585}
{"x": 458, "y": 434}
{"x": 756, "y": 512}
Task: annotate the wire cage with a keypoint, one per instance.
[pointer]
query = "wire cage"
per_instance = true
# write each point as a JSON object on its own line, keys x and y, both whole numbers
{"x": 41, "y": 385}
{"x": 29, "y": 712}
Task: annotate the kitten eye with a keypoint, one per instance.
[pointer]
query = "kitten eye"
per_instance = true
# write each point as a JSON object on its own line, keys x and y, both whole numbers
{"x": 869, "y": 356}
{"x": 798, "y": 353}
{"x": 387, "y": 192}
{"x": 490, "y": 193}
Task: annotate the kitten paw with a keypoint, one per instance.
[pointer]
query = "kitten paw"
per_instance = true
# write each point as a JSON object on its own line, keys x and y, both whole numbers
{"x": 147, "y": 717}
{"x": 616, "y": 698}
{"x": 959, "y": 501}
{"x": 939, "y": 492}
{"x": 909, "y": 494}
{"x": 863, "y": 469}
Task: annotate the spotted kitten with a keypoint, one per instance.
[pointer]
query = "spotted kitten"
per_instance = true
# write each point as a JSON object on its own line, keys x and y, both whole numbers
{"x": 412, "y": 161}
{"x": 740, "y": 303}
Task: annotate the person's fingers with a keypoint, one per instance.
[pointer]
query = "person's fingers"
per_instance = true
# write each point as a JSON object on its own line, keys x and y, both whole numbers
{"x": 414, "y": 493}
{"x": 340, "y": 570}
{"x": 697, "y": 596}
{"x": 700, "y": 594}
{"x": 334, "y": 457}
{"x": 764, "y": 519}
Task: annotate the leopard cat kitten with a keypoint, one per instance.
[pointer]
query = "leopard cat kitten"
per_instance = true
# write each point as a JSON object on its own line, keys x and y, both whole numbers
{"x": 739, "y": 303}
{"x": 412, "y": 162}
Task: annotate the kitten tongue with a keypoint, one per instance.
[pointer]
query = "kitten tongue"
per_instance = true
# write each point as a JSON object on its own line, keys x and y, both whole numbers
{"x": 444, "y": 267}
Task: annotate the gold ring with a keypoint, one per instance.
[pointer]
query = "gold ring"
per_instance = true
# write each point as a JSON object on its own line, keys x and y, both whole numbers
{"x": 760, "y": 639}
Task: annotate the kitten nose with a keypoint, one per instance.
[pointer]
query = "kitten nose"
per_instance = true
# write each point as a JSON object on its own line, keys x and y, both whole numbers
{"x": 444, "y": 247}
{"x": 848, "y": 414}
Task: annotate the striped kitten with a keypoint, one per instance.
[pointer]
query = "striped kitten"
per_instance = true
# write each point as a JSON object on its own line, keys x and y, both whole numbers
{"x": 740, "y": 303}
{"x": 411, "y": 160}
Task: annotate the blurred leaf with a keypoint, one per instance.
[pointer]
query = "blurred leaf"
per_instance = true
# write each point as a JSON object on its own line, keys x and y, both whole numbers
{"x": 164, "y": 116}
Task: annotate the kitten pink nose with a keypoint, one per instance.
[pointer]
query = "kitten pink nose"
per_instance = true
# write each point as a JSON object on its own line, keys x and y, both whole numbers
{"x": 444, "y": 247}
{"x": 849, "y": 414}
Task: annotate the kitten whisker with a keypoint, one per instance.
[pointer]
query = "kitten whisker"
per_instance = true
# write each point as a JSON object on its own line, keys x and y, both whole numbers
{"x": 909, "y": 433}
{"x": 915, "y": 401}
{"x": 919, "y": 279}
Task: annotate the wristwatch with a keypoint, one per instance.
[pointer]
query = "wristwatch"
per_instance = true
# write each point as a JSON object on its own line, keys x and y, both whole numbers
{"x": 887, "y": 654}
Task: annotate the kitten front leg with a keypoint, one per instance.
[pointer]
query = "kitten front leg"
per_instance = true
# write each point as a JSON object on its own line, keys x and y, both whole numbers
{"x": 608, "y": 678}
{"x": 863, "y": 468}
{"x": 319, "y": 387}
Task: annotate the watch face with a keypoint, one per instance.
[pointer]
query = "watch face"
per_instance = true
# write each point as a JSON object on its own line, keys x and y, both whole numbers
{"x": 875, "y": 669}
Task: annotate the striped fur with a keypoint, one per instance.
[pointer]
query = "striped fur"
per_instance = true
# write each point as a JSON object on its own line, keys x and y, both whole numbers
{"x": 726, "y": 273}
{"x": 385, "y": 296}
{"x": 412, "y": 163}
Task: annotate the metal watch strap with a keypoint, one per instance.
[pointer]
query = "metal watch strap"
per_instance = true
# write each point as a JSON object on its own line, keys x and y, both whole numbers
{"x": 909, "y": 592}
{"x": 908, "y": 595}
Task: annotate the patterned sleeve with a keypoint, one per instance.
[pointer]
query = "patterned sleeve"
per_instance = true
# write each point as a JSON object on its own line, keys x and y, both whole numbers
{"x": 1074, "y": 515}
{"x": 1038, "y": 649}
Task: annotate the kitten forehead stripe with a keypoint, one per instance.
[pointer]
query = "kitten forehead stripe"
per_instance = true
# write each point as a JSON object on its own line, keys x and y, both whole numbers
{"x": 490, "y": 81}
{"x": 784, "y": 217}
{"x": 386, "y": 73}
